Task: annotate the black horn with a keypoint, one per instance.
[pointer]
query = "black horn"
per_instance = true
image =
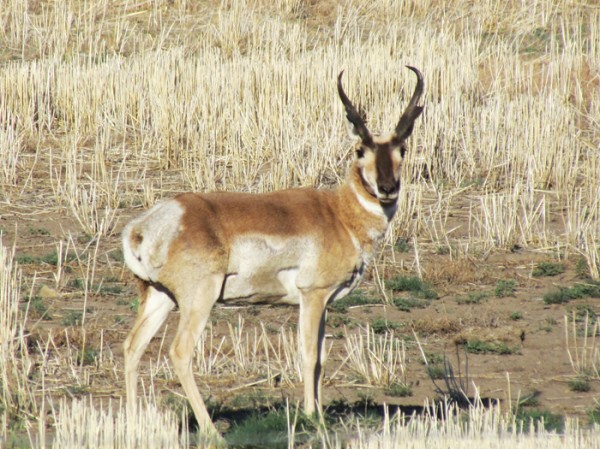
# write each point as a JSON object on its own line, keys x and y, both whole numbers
{"x": 412, "y": 111}
{"x": 353, "y": 115}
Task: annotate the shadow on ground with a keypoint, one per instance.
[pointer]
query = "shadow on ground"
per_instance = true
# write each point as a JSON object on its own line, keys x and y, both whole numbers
{"x": 270, "y": 426}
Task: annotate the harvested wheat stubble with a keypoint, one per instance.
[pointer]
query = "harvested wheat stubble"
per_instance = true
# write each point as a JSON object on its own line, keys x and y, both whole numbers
{"x": 109, "y": 105}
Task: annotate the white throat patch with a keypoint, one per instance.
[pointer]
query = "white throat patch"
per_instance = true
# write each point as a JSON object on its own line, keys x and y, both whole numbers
{"x": 370, "y": 206}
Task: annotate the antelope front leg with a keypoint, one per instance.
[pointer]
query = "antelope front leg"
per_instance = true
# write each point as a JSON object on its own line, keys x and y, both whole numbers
{"x": 312, "y": 334}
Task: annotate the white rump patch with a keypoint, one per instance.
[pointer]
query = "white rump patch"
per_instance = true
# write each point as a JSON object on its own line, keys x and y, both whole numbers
{"x": 155, "y": 230}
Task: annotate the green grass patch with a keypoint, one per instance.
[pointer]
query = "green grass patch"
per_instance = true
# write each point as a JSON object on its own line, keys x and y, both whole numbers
{"x": 336, "y": 321}
{"x": 72, "y": 318}
{"x": 583, "y": 317}
{"x": 436, "y": 372}
{"x": 484, "y": 347}
{"x": 26, "y": 259}
{"x": 399, "y": 391}
{"x": 53, "y": 257}
{"x": 407, "y": 304}
{"x": 77, "y": 284}
{"x": 530, "y": 400}
{"x": 50, "y": 258}
{"x": 402, "y": 245}
{"x": 254, "y": 400}
{"x": 38, "y": 231}
{"x": 580, "y": 385}
{"x": 581, "y": 312}
{"x": 549, "y": 324}
{"x": 433, "y": 358}
{"x": 443, "y": 250}
{"x": 39, "y": 309}
{"x": 536, "y": 41}
{"x": 134, "y": 305}
{"x": 357, "y": 298}
{"x": 15, "y": 439}
{"x": 594, "y": 415}
{"x": 117, "y": 255}
{"x": 412, "y": 284}
{"x": 516, "y": 315}
{"x": 551, "y": 421}
{"x": 77, "y": 390}
{"x": 381, "y": 326}
{"x": 580, "y": 290}
{"x": 548, "y": 269}
{"x": 505, "y": 287}
{"x": 267, "y": 429}
{"x": 107, "y": 289}
{"x": 87, "y": 357}
{"x": 582, "y": 269}
{"x": 473, "y": 298}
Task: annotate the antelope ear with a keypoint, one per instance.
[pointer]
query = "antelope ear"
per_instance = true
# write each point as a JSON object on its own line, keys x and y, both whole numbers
{"x": 352, "y": 131}
{"x": 355, "y": 118}
{"x": 355, "y": 131}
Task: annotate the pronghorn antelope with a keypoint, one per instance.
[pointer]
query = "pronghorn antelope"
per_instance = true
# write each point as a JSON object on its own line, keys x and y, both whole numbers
{"x": 298, "y": 246}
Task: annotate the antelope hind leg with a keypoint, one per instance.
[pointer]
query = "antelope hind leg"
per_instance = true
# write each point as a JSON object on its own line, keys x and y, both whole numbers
{"x": 155, "y": 306}
{"x": 195, "y": 310}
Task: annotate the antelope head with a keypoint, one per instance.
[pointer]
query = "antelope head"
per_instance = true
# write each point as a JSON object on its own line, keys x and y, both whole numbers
{"x": 378, "y": 160}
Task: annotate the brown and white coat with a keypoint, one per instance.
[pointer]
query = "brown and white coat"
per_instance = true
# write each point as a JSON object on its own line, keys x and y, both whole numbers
{"x": 297, "y": 246}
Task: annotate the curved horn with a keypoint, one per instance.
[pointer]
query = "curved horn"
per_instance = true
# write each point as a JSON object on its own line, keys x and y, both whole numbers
{"x": 412, "y": 111}
{"x": 353, "y": 115}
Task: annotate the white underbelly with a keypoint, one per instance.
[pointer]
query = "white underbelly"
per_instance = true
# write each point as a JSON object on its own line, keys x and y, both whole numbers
{"x": 268, "y": 269}
{"x": 276, "y": 288}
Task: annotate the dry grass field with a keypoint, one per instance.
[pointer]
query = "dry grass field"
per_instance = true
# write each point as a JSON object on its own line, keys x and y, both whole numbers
{"x": 486, "y": 288}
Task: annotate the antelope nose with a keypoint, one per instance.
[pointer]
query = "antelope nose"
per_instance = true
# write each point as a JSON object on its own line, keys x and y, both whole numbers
{"x": 387, "y": 188}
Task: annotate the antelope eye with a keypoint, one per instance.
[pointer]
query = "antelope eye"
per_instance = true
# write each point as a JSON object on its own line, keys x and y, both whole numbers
{"x": 360, "y": 152}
